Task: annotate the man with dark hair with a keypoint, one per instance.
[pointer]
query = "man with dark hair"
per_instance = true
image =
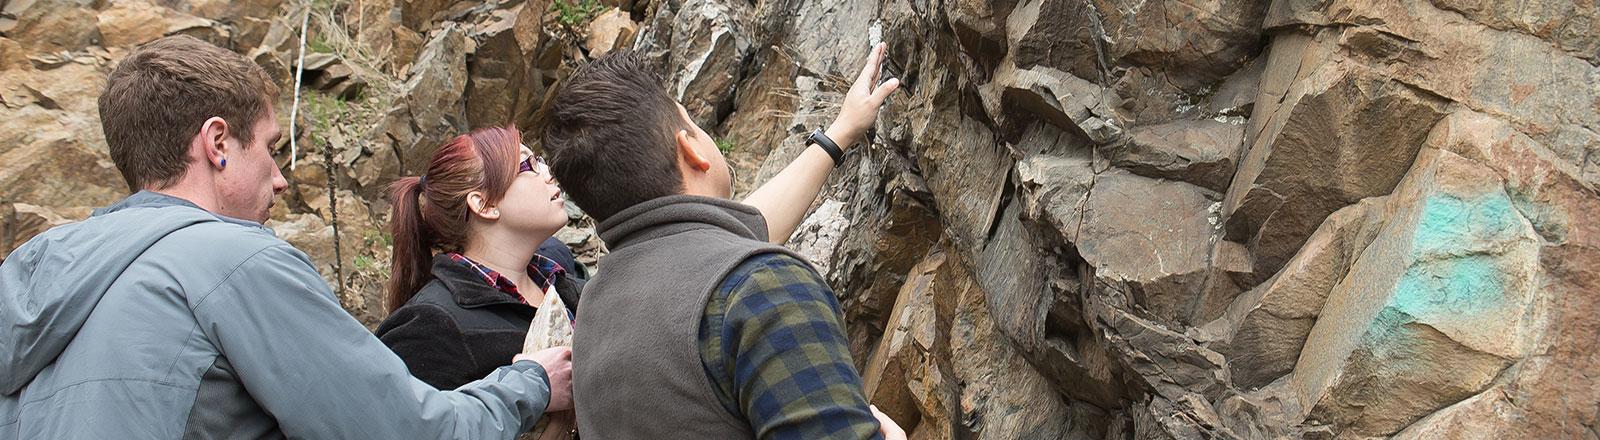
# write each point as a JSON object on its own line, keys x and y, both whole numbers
{"x": 697, "y": 326}
{"x": 174, "y": 314}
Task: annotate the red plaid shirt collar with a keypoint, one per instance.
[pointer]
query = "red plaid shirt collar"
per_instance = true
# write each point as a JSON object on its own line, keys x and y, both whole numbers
{"x": 543, "y": 271}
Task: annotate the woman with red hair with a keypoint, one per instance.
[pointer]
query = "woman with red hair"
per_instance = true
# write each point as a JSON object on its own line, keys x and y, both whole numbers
{"x": 466, "y": 275}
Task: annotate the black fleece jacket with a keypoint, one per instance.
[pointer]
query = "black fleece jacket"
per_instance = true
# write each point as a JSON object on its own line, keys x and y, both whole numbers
{"x": 458, "y": 328}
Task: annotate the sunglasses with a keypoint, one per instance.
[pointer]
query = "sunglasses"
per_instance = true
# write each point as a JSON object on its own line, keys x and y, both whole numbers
{"x": 535, "y": 164}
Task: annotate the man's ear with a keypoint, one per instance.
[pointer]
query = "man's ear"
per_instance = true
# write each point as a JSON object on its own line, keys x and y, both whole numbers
{"x": 479, "y": 205}
{"x": 213, "y": 139}
{"x": 687, "y": 152}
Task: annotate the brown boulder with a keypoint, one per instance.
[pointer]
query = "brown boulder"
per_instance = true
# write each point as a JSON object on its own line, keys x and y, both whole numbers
{"x": 1170, "y": 364}
{"x": 58, "y": 170}
{"x": 904, "y": 376}
{"x": 1555, "y": 398}
{"x": 1574, "y": 26}
{"x": 964, "y": 165}
{"x": 12, "y": 56}
{"x": 1483, "y": 416}
{"x": 1206, "y": 39}
{"x": 419, "y": 15}
{"x": 233, "y": 10}
{"x": 374, "y": 26}
{"x": 1154, "y": 235}
{"x": 980, "y": 27}
{"x": 766, "y": 112}
{"x": 1268, "y": 326}
{"x": 612, "y": 30}
{"x": 1448, "y": 284}
{"x": 1325, "y": 135}
{"x": 1031, "y": 294}
{"x": 407, "y": 44}
{"x": 133, "y": 23}
{"x": 50, "y": 25}
{"x": 1200, "y": 152}
{"x": 830, "y": 38}
{"x": 1003, "y": 394}
{"x": 1057, "y": 97}
{"x": 709, "y": 46}
{"x": 503, "y": 62}
{"x": 1482, "y": 67}
{"x": 430, "y": 108}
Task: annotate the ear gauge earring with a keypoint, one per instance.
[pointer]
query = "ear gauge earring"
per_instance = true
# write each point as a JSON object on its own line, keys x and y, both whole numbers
{"x": 224, "y": 163}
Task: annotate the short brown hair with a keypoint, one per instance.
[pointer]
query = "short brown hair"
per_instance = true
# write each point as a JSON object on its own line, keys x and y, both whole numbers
{"x": 158, "y": 97}
{"x": 609, "y": 135}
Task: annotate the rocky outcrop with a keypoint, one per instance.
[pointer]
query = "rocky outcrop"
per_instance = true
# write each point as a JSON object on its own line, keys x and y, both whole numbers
{"x": 1217, "y": 219}
{"x": 700, "y": 46}
{"x": 1097, "y": 219}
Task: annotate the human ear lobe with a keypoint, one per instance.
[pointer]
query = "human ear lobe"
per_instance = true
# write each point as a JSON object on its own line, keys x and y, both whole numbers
{"x": 213, "y": 136}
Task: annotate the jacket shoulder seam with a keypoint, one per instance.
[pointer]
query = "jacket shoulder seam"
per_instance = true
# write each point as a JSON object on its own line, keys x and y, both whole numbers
{"x": 231, "y": 272}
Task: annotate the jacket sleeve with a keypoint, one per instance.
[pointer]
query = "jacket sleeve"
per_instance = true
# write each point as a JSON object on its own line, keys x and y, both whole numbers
{"x": 322, "y": 375}
{"x": 430, "y": 343}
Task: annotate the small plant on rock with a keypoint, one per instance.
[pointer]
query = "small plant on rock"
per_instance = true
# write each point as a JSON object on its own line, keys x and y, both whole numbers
{"x": 725, "y": 145}
{"x": 572, "y": 13}
{"x": 364, "y": 263}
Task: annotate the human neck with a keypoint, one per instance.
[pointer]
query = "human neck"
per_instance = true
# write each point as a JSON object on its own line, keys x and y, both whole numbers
{"x": 204, "y": 196}
{"x": 509, "y": 255}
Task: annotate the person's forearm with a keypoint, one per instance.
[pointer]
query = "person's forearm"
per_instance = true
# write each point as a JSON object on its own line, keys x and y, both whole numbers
{"x": 305, "y": 359}
{"x": 785, "y": 199}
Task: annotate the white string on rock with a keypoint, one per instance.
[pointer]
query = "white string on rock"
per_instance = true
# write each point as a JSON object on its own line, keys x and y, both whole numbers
{"x": 294, "y": 107}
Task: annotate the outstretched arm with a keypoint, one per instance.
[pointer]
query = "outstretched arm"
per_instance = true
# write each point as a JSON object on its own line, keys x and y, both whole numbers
{"x": 322, "y": 375}
{"x": 785, "y": 199}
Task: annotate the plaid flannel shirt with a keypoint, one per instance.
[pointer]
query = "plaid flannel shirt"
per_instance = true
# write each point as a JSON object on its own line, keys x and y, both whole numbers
{"x": 543, "y": 271}
{"x": 772, "y": 340}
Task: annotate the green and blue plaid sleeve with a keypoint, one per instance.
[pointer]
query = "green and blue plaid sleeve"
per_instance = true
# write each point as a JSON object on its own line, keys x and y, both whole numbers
{"x": 773, "y": 341}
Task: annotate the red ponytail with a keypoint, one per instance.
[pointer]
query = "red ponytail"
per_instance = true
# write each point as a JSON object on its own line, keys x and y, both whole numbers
{"x": 433, "y": 216}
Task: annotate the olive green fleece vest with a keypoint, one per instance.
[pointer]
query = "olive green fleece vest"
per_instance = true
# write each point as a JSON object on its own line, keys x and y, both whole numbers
{"x": 637, "y": 371}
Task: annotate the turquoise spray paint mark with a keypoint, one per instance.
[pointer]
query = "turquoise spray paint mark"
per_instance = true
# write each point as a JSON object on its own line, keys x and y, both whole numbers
{"x": 1464, "y": 287}
{"x": 1454, "y": 274}
{"x": 1450, "y": 225}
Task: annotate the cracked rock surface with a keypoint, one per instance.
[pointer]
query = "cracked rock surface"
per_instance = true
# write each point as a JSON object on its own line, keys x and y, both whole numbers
{"x": 1078, "y": 219}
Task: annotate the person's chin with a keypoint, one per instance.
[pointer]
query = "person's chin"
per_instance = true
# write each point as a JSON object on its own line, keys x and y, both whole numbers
{"x": 558, "y": 222}
{"x": 263, "y": 215}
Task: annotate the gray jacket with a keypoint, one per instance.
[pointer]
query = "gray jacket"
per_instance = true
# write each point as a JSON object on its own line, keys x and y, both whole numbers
{"x": 156, "y": 319}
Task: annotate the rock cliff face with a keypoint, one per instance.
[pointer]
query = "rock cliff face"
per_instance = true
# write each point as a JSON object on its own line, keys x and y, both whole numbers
{"x": 1098, "y": 219}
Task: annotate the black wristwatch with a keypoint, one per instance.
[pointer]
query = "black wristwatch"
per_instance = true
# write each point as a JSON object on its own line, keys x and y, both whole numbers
{"x": 822, "y": 140}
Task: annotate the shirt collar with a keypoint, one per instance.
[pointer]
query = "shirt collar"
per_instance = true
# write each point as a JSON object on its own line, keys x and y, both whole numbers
{"x": 543, "y": 271}
{"x": 152, "y": 199}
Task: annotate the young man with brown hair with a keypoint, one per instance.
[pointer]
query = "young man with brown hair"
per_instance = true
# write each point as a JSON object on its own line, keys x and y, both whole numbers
{"x": 697, "y": 326}
{"x": 174, "y": 314}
